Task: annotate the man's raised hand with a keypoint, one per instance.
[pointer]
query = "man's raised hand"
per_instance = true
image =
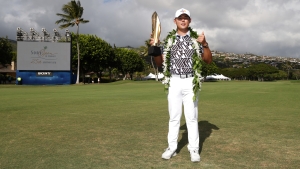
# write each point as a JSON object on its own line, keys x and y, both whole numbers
{"x": 201, "y": 38}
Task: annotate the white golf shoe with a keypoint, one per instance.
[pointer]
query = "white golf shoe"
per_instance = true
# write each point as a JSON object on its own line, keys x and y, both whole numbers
{"x": 168, "y": 154}
{"x": 195, "y": 157}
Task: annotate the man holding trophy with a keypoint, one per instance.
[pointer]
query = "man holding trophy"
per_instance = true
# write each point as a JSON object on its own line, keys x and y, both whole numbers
{"x": 181, "y": 58}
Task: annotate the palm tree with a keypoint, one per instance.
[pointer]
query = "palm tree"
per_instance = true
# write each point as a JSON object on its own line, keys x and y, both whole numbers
{"x": 71, "y": 16}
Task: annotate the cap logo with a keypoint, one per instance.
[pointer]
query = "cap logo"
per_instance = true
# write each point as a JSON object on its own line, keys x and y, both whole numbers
{"x": 182, "y": 11}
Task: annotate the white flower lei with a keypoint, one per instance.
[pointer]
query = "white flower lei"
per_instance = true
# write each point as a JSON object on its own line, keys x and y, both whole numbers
{"x": 168, "y": 43}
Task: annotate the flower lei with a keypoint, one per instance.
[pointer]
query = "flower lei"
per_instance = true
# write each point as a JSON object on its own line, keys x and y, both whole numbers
{"x": 196, "y": 59}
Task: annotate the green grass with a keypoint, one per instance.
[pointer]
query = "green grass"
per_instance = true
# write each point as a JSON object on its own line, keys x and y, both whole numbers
{"x": 125, "y": 124}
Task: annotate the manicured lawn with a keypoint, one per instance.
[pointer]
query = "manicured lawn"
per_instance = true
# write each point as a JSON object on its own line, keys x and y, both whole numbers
{"x": 124, "y": 125}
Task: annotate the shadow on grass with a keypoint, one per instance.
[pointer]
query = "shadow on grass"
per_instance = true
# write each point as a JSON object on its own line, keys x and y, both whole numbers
{"x": 205, "y": 130}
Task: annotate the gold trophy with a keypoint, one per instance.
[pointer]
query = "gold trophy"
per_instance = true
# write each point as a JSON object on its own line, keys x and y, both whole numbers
{"x": 154, "y": 50}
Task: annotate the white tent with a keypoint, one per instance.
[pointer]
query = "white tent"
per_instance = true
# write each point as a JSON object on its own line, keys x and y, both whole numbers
{"x": 152, "y": 76}
{"x": 217, "y": 77}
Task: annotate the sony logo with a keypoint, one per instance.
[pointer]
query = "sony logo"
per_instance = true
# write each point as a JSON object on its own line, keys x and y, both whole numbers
{"x": 44, "y": 74}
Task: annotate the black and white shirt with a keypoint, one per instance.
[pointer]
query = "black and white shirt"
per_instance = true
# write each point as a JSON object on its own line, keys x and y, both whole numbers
{"x": 181, "y": 55}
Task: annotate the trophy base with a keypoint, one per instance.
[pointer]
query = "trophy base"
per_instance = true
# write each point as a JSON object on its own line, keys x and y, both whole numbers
{"x": 154, "y": 51}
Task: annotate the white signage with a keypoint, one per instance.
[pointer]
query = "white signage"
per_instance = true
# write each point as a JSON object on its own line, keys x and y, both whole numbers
{"x": 43, "y": 56}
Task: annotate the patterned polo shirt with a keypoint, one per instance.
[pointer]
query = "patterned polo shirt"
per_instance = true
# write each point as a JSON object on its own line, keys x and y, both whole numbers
{"x": 181, "y": 55}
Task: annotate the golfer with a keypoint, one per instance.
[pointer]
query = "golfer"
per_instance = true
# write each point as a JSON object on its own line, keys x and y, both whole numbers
{"x": 183, "y": 49}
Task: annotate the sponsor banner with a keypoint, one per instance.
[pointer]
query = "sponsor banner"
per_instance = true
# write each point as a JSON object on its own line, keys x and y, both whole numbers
{"x": 43, "y": 56}
{"x": 47, "y": 74}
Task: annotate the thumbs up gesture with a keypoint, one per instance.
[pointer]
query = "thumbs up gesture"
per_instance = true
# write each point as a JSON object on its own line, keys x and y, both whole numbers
{"x": 201, "y": 39}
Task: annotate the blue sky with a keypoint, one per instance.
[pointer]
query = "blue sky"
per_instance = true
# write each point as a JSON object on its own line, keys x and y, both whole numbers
{"x": 262, "y": 27}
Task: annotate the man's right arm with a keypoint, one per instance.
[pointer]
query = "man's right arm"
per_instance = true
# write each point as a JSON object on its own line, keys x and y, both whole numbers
{"x": 157, "y": 59}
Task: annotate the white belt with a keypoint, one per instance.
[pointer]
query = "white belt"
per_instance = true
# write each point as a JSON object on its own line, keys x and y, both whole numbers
{"x": 183, "y": 76}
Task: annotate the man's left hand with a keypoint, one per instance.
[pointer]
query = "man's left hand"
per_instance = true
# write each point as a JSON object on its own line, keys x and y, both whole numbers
{"x": 201, "y": 38}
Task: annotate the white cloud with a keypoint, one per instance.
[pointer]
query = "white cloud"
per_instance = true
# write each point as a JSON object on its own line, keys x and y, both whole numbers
{"x": 264, "y": 27}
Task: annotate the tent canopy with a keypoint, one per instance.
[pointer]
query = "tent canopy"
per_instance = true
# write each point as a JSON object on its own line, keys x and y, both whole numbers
{"x": 217, "y": 77}
{"x": 152, "y": 76}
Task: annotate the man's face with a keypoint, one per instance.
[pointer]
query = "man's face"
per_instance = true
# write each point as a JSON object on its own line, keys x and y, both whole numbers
{"x": 183, "y": 21}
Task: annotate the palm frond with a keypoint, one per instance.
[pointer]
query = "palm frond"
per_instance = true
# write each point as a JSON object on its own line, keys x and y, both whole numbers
{"x": 75, "y": 8}
{"x": 81, "y": 20}
{"x": 62, "y": 20}
{"x": 63, "y": 26}
{"x": 147, "y": 43}
{"x": 78, "y": 3}
{"x": 80, "y": 9}
{"x": 66, "y": 9}
{"x": 65, "y": 16}
{"x": 85, "y": 21}
{"x": 80, "y": 12}
{"x": 73, "y": 24}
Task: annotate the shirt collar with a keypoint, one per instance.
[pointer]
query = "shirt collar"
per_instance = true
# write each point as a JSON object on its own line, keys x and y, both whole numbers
{"x": 187, "y": 34}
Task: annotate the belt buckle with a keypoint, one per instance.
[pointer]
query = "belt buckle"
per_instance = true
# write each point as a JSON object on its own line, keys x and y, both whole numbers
{"x": 189, "y": 75}
{"x": 184, "y": 76}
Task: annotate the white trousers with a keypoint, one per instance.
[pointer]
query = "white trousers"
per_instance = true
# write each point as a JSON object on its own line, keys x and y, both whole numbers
{"x": 181, "y": 92}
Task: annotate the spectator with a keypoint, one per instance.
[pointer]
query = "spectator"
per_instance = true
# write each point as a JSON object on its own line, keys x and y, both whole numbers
{"x": 19, "y": 80}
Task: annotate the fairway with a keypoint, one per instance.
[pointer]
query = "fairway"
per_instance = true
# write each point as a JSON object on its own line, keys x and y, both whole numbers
{"x": 124, "y": 125}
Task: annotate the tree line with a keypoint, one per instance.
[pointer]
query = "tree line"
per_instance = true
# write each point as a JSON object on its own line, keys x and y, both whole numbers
{"x": 98, "y": 57}
{"x": 6, "y": 52}
{"x": 260, "y": 71}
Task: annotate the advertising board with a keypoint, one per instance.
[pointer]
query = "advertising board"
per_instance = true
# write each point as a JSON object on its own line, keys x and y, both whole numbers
{"x": 43, "y": 56}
